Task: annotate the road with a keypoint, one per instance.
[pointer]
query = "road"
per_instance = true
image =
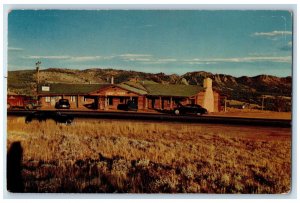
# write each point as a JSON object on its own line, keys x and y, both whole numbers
{"x": 163, "y": 117}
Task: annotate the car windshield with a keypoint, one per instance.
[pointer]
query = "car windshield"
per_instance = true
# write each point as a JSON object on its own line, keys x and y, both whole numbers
{"x": 65, "y": 101}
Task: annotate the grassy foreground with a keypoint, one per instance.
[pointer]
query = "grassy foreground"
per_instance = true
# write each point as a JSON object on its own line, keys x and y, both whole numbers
{"x": 147, "y": 157}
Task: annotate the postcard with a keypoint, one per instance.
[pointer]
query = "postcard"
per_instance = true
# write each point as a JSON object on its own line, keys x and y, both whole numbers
{"x": 149, "y": 101}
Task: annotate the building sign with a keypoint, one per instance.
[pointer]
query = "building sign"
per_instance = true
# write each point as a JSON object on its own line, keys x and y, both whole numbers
{"x": 117, "y": 93}
{"x": 45, "y": 88}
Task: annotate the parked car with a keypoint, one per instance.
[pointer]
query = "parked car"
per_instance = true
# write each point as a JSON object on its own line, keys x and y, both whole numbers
{"x": 190, "y": 109}
{"x": 129, "y": 106}
{"x": 63, "y": 118}
{"x": 40, "y": 116}
{"x": 58, "y": 117}
{"x": 62, "y": 104}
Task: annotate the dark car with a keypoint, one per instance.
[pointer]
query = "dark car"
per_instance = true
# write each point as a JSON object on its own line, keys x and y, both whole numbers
{"x": 63, "y": 118}
{"x": 58, "y": 117}
{"x": 40, "y": 116}
{"x": 130, "y": 106}
{"x": 190, "y": 109}
{"x": 62, "y": 104}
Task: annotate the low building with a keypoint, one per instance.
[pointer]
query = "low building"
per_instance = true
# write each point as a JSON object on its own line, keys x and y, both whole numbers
{"x": 77, "y": 94}
{"x": 147, "y": 95}
{"x": 167, "y": 96}
{"x": 111, "y": 96}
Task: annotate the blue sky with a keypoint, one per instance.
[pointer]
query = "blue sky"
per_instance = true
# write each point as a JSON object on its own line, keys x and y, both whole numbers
{"x": 229, "y": 42}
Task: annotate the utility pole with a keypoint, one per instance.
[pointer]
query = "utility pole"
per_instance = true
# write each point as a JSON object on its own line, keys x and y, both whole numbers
{"x": 225, "y": 103}
{"x": 37, "y": 64}
{"x": 262, "y": 102}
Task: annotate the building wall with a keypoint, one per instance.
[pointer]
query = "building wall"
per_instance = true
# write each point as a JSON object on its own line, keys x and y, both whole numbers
{"x": 165, "y": 102}
{"x": 49, "y": 101}
{"x": 78, "y": 101}
{"x": 43, "y": 102}
{"x": 115, "y": 102}
{"x": 199, "y": 98}
{"x": 155, "y": 101}
{"x": 115, "y": 93}
{"x": 101, "y": 103}
{"x": 141, "y": 102}
{"x": 217, "y": 103}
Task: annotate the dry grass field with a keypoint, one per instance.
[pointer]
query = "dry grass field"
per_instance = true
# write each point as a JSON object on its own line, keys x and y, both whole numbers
{"x": 253, "y": 113}
{"x": 149, "y": 157}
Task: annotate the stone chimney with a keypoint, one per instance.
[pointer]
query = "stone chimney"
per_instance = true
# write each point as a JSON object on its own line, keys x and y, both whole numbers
{"x": 207, "y": 83}
{"x": 112, "y": 80}
{"x": 208, "y": 100}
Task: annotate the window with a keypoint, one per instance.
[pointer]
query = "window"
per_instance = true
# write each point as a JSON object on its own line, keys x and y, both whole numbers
{"x": 47, "y": 99}
{"x": 110, "y": 101}
{"x": 121, "y": 100}
{"x": 73, "y": 98}
{"x": 153, "y": 103}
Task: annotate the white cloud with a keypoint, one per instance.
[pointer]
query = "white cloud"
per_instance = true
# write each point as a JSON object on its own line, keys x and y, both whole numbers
{"x": 149, "y": 59}
{"x": 148, "y": 25}
{"x": 282, "y": 59}
{"x": 161, "y": 61}
{"x": 90, "y": 58}
{"x": 15, "y": 49}
{"x": 72, "y": 58}
{"x": 46, "y": 57}
{"x": 136, "y": 57}
{"x": 152, "y": 62}
{"x": 209, "y": 61}
{"x": 273, "y": 33}
{"x": 125, "y": 57}
{"x": 167, "y": 60}
{"x": 199, "y": 63}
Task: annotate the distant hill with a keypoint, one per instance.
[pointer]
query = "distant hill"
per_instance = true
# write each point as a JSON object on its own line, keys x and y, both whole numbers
{"x": 247, "y": 89}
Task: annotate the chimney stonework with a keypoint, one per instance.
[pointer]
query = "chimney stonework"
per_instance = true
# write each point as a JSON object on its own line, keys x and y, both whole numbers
{"x": 112, "y": 79}
{"x": 208, "y": 100}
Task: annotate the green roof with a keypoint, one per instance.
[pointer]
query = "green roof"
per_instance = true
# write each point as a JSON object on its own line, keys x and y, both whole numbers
{"x": 68, "y": 89}
{"x": 135, "y": 85}
{"x": 172, "y": 90}
{"x": 142, "y": 89}
{"x": 132, "y": 89}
